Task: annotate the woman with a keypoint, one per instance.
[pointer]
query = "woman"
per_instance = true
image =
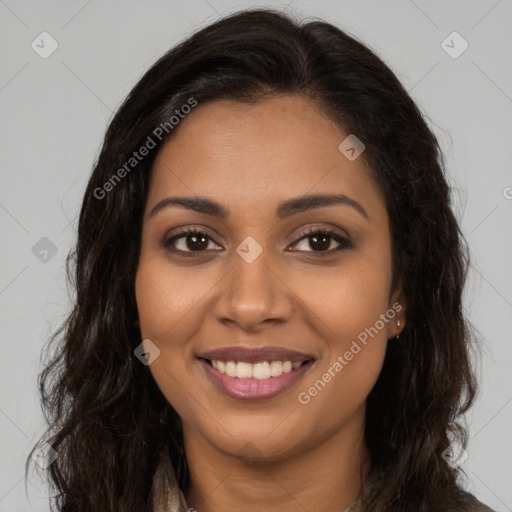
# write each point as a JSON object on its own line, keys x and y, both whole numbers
{"x": 268, "y": 290}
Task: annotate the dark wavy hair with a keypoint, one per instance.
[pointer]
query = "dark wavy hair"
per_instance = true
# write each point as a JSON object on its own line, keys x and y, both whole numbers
{"x": 107, "y": 418}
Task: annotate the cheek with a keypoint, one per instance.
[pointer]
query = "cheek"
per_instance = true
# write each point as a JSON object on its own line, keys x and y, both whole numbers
{"x": 349, "y": 298}
{"x": 169, "y": 302}
{"x": 352, "y": 304}
{"x": 166, "y": 297}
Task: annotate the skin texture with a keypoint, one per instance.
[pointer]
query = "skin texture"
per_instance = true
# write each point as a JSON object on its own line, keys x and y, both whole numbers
{"x": 276, "y": 454}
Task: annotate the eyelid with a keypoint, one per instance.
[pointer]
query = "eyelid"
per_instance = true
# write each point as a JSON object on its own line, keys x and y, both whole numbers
{"x": 343, "y": 240}
{"x": 183, "y": 232}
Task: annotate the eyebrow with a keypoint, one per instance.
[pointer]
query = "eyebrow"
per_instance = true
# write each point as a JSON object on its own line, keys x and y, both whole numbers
{"x": 285, "y": 209}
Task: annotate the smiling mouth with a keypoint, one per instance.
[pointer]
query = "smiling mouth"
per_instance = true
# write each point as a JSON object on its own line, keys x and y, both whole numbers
{"x": 261, "y": 370}
{"x": 255, "y": 373}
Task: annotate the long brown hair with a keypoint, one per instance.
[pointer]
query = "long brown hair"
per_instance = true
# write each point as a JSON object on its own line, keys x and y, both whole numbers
{"x": 108, "y": 420}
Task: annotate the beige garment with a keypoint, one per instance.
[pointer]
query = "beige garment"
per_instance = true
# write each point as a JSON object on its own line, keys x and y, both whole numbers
{"x": 167, "y": 497}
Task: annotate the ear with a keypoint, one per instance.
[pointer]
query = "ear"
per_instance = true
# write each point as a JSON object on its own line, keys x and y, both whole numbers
{"x": 398, "y": 306}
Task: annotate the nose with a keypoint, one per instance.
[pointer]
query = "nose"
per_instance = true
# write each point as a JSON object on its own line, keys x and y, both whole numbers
{"x": 252, "y": 295}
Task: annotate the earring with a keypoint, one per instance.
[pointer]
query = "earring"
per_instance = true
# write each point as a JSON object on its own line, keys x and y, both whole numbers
{"x": 398, "y": 325}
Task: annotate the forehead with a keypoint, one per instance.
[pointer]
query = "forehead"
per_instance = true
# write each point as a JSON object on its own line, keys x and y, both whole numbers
{"x": 249, "y": 156}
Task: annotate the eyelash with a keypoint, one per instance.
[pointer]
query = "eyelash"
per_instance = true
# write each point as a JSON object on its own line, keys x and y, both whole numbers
{"x": 188, "y": 231}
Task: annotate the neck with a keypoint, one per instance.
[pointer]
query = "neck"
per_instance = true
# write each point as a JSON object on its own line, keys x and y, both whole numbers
{"x": 328, "y": 476}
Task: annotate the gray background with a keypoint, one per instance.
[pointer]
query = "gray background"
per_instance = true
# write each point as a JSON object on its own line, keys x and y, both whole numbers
{"x": 54, "y": 113}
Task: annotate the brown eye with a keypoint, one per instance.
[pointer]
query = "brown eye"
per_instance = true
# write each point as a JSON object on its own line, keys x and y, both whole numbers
{"x": 188, "y": 241}
{"x": 320, "y": 241}
{"x": 196, "y": 242}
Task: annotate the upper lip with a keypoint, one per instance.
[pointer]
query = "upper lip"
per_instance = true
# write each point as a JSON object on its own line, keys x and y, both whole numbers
{"x": 255, "y": 355}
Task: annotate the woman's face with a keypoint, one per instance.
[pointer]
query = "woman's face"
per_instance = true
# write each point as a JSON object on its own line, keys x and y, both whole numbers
{"x": 255, "y": 290}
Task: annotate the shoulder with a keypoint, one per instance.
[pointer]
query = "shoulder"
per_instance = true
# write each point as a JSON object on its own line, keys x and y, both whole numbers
{"x": 460, "y": 500}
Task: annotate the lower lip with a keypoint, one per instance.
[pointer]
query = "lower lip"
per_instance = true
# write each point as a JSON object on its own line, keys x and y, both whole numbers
{"x": 254, "y": 389}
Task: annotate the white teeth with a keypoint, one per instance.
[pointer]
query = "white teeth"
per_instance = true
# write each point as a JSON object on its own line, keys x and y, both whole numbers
{"x": 276, "y": 368}
{"x": 244, "y": 370}
{"x": 261, "y": 371}
{"x": 231, "y": 368}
